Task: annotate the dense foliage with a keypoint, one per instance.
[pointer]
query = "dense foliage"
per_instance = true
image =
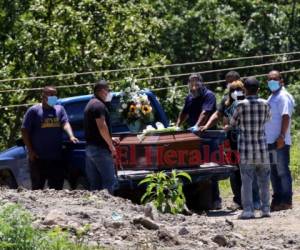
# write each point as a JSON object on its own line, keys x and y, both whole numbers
{"x": 39, "y": 37}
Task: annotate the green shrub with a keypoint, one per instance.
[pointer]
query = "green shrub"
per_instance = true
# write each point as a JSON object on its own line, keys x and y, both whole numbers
{"x": 166, "y": 192}
{"x": 17, "y": 233}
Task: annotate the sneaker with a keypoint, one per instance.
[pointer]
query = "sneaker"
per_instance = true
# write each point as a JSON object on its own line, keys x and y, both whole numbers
{"x": 265, "y": 213}
{"x": 217, "y": 205}
{"x": 245, "y": 215}
{"x": 234, "y": 206}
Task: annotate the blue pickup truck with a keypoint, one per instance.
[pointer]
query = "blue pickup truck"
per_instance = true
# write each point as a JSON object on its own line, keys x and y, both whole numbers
{"x": 14, "y": 168}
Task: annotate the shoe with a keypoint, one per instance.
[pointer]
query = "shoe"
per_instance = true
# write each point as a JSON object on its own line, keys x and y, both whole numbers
{"x": 275, "y": 207}
{"x": 286, "y": 206}
{"x": 256, "y": 205}
{"x": 281, "y": 206}
{"x": 245, "y": 215}
{"x": 234, "y": 206}
{"x": 217, "y": 205}
{"x": 265, "y": 214}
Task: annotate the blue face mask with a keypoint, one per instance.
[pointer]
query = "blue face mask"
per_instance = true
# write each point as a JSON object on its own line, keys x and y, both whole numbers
{"x": 273, "y": 85}
{"x": 52, "y": 100}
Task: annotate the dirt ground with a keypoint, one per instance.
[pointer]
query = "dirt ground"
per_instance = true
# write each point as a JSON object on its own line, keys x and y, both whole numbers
{"x": 116, "y": 223}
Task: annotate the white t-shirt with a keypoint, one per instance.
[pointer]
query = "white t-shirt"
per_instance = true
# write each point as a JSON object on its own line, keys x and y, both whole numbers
{"x": 281, "y": 103}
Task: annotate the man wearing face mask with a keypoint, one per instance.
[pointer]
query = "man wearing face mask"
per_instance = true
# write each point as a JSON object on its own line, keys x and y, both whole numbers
{"x": 198, "y": 107}
{"x": 42, "y": 132}
{"x": 100, "y": 148}
{"x": 279, "y": 141}
{"x": 199, "y": 104}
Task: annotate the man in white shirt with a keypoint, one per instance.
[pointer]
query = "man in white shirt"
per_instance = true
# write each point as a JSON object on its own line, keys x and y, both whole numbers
{"x": 279, "y": 141}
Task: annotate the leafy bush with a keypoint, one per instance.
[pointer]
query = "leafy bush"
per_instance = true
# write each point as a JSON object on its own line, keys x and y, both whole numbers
{"x": 166, "y": 192}
{"x": 17, "y": 233}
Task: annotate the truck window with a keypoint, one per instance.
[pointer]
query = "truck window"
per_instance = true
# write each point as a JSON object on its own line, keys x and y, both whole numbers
{"x": 75, "y": 111}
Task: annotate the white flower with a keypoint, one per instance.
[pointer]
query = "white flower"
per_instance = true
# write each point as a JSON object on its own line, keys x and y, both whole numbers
{"x": 120, "y": 110}
{"x": 150, "y": 128}
{"x": 159, "y": 125}
{"x": 128, "y": 90}
{"x": 124, "y": 105}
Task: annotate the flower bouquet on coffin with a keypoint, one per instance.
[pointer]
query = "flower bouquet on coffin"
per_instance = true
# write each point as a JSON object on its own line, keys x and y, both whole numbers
{"x": 135, "y": 108}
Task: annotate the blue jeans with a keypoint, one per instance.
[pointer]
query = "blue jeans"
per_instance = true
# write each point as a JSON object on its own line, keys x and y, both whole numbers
{"x": 100, "y": 169}
{"x": 281, "y": 177}
{"x": 262, "y": 173}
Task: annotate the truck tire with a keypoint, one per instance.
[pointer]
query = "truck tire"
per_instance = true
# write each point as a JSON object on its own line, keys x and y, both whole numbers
{"x": 199, "y": 196}
{"x": 7, "y": 179}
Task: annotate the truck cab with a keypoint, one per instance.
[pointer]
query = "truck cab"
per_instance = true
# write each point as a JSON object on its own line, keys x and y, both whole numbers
{"x": 14, "y": 170}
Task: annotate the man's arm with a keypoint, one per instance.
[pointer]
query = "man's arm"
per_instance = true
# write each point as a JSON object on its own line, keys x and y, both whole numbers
{"x": 103, "y": 130}
{"x": 181, "y": 119}
{"x": 284, "y": 127}
{"x": 212, "y": 120}
{"x": 68, "y": 129}
{"x": 26, "y": 138}
{"x": 286, "y": 112}
{"x": 203, "y": 117}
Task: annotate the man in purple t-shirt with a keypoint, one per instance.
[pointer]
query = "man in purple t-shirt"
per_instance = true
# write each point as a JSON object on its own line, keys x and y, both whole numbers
{"x": 199, "y": 105}
{"x": 42, "y": 132}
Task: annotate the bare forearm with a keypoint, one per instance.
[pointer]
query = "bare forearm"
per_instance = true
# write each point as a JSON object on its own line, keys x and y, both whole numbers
{"x": 213, "y": 119}
{"x": 203, "y": 117}
{"x": 106, "y": 136}
{"x": 68, "y": 129}
{"x": 182, "y": 118}
{"x": 284, "y": 124}
{"x": 104, "y": 132}
{"x": 26, "y": 139}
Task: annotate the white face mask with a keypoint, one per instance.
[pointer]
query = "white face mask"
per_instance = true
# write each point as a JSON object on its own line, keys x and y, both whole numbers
{"x": 109, "y": 97}
{"x": 237, "y": 93}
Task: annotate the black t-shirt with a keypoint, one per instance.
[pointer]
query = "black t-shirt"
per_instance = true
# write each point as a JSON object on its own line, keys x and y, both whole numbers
{"x": 93, "y": 110}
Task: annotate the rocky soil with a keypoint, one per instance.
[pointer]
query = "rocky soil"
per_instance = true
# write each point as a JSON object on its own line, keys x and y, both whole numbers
{"x": 116, "y": 223}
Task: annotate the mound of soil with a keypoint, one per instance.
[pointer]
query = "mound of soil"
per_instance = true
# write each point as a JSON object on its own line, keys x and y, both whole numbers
{"x": 101, "y": 219}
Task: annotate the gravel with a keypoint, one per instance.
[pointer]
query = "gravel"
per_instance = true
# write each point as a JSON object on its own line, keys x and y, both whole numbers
{"x": 117, "y": 223}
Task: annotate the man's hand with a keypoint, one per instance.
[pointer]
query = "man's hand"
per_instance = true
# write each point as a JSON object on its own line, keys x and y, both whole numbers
{"x": 32, "y": 155}
{"x": 113, "y": 151}
{"x": 203, "y": 128}
{"x": 280, "y": 142}
{"x": 116, "y": 141}
{"x": 195, "y": 128}
{"x": 73, "y": 139}
{"x": 226, "y": 128}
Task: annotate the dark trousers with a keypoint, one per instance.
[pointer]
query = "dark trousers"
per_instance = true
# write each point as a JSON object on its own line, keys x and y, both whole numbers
{"x": 42, "y": 170}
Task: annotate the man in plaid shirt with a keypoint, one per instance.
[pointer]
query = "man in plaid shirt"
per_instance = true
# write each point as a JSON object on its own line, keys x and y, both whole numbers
{"x": 250, "y": 117}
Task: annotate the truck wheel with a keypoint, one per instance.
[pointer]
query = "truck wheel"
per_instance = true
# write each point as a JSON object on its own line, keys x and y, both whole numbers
{"x": 199, "y": 196}
{"x": 7, "y": 179}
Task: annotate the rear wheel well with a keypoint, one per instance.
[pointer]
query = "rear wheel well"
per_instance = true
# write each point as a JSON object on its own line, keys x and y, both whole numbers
{"x": 7, "y": 179}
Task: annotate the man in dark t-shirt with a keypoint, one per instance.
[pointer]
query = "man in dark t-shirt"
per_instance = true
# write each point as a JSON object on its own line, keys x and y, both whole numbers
{"x": 100, "y": 149}
{"x": 42, "y": 132}
{"x": 199, "y": 104}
